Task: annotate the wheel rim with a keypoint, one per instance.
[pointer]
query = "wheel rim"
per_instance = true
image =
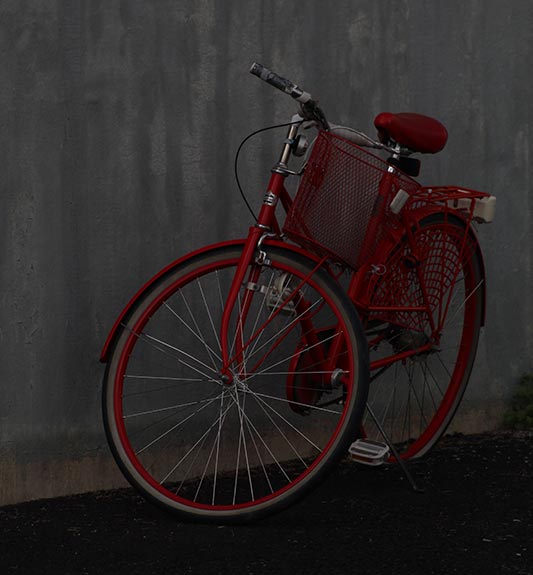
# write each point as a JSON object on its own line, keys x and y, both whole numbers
{"x": 224, "y": 448}
{"x": 414, "y": 399}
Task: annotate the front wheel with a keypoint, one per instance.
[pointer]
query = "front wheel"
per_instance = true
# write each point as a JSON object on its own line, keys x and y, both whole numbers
{"x": 213, "y": 450}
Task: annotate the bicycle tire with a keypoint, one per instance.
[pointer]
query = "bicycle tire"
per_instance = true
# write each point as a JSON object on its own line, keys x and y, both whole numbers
{"x": 256, "y": 454}
{"x": 415, "y": 399}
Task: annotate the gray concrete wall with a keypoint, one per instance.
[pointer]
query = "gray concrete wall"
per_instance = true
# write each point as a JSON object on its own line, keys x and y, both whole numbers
{"x": 118, "y": 125}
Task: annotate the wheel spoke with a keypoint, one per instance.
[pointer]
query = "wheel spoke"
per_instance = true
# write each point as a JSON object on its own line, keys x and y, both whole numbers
{"x": 278, "y": 333}
{"x": 197, "y": 334}
{"x": 286, "y": 359}
{"x": 292, "y": 402}
{"x": 188, "y": 355}
{"x": 261, "y": 404}
{"x": 176, "y": 426}
{"x": 171, "y": 407}
{"x": 193, "y": 448}
{"x": 211, "y": 321}
{"x": 146, "y": 339}
{"x": 242, "y": 441}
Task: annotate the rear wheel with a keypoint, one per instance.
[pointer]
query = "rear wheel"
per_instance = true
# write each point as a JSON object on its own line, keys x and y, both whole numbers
{"x": 217, "y": 451}
{"x": 414, "y": 398}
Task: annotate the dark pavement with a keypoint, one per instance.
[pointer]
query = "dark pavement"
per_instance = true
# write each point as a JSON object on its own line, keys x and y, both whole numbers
{"x": 475, "y": 516}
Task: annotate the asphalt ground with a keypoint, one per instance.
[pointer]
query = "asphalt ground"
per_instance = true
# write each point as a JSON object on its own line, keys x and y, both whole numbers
{"x": 474, "y": 516}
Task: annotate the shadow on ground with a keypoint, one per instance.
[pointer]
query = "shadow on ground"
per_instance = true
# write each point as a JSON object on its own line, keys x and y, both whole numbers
{"x": 475, "y": 516}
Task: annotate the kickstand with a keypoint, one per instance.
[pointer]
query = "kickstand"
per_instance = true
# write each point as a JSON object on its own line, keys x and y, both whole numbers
{"x": 394, "y": 451}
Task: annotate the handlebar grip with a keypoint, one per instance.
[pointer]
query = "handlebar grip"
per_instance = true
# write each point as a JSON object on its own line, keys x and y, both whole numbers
{"x": 280, "y": 83}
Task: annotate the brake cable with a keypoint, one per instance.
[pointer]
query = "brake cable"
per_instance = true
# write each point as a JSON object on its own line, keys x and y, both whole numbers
{"x": 235, "y": 167}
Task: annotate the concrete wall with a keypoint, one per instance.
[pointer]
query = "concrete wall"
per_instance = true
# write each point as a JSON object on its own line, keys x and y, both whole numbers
{"x": 118, "y": 125}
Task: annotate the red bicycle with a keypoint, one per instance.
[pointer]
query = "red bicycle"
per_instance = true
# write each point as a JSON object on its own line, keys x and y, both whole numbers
{"x": 242, "y": 372}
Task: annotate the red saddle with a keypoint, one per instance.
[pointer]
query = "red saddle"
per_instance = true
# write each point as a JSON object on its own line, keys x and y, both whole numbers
{"x": 414, "y": 131}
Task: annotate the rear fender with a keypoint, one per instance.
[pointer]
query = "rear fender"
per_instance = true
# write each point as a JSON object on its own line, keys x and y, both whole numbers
{"x": 104, "y": 355}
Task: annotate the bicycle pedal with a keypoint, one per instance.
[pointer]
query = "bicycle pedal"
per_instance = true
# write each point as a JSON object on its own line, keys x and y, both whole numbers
{"x": 369, "y": 452}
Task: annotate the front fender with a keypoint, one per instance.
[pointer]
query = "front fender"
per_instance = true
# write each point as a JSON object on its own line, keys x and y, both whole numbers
{"x": 171, "y": 267}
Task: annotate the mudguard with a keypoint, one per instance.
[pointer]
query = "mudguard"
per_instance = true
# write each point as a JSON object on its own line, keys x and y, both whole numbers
{"x": 172, "y": 266}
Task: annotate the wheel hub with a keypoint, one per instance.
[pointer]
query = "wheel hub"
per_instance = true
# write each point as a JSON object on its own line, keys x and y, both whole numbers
{"x": 407, "y": 340}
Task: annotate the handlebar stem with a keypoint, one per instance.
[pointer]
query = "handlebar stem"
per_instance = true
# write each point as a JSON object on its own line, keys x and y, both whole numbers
{"x": 281, "y": 166}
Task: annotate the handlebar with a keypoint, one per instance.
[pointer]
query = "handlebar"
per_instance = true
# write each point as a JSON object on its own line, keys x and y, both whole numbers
{"x": 280, "y": 83}
{"x": 310, "y": 109}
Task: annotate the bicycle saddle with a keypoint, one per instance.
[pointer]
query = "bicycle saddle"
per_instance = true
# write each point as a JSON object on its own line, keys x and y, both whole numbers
{"x": 414, "y": 131}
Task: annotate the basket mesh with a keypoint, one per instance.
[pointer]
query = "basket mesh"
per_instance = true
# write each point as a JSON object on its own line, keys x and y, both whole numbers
{"x": 339, "y": 210}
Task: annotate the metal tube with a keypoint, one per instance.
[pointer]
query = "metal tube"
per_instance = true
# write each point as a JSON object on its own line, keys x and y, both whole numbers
{"x": 281, "y": 166}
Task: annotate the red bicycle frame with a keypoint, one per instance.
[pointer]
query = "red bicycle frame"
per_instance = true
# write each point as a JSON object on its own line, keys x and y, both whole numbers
{"x": 432, "y": 199}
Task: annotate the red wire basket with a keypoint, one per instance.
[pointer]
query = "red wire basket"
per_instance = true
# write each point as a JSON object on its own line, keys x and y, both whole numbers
{"x": 342, "y": 207}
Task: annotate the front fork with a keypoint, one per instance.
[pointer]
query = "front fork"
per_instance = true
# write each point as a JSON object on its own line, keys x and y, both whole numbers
{"x": 266, "y": 221}
{"x": 245, "y": 260}
{"x": 233, "y": 346}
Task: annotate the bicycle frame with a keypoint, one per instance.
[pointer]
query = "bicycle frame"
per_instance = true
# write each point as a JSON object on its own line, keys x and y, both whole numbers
{"x": 435, "y": 200}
